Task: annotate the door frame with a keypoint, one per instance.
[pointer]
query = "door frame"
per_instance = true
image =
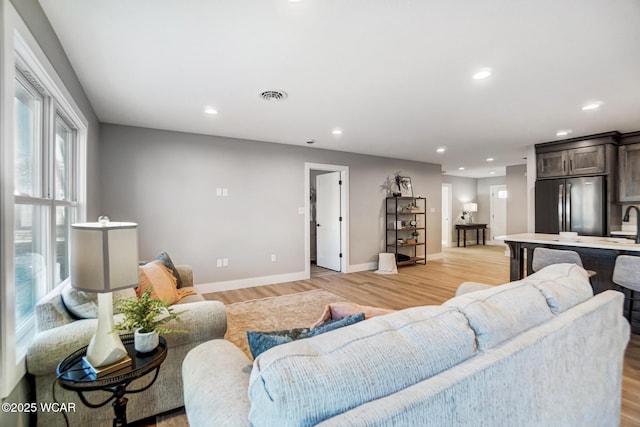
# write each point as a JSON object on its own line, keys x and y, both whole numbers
{"x": 493, "y": 188}
{"x": 344, "y": 212}
{"x": 448, "y": 205}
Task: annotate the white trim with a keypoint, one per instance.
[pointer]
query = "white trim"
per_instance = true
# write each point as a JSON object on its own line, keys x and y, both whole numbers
{"x": 344, "y": 206}
{"x": 19, "y": 45}
{"x": 492, "y": 189}
{"x": 452, "y": 222}
{"x": 251, "y": 282}
{"x": 367, "y": 266}
{"x": 438, "y": 255}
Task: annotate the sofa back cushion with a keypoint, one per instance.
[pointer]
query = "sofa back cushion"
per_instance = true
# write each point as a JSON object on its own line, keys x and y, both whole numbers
{"x": 502, "y": 312}
{"x": 307, "y": 381}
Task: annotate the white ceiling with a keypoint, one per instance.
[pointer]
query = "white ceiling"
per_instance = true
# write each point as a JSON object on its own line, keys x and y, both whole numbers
{"x": 394, "y": 76}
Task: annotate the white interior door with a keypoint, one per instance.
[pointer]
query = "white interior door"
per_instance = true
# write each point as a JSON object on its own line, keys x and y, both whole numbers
{"x": 498, "y": 211}
{"x": 328, "y": 221}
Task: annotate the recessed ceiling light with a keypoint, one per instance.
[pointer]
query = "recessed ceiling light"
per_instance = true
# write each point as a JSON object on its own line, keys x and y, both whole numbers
{"x": 482, "y": 74}
{"x": 461, "y": 168}
{"x": 492, "y": 173}
{"x": 592, "y": 106}
{"x": 336, "y": 132}
{"x": 490, "y": 159}
{"x": 441, "y": 150}
{"x": 563, "y": 132}
{"x": 210, "y": 110}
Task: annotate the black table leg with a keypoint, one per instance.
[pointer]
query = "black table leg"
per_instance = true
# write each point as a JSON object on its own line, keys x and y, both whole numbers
{"x": 120, "y": 407}
{"x": 516, "y": 266}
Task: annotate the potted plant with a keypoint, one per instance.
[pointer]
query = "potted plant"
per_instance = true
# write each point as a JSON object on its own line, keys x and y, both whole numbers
{"x": 145, "y": 316}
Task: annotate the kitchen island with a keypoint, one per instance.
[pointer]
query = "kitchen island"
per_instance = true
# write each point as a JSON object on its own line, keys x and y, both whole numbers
{"x": 598, "y": 254}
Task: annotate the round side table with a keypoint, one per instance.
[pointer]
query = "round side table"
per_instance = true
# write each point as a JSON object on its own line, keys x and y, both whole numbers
{"x": 75, "y": 374}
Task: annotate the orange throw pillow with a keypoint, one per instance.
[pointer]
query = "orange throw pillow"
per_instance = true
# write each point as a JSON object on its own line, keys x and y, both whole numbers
{"x": 164, "y": 284}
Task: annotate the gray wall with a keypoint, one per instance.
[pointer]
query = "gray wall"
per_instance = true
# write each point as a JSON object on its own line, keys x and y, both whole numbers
{"x": 517, "y": 200}
{"x": 166, "y": 181}
{"x": 478, "y": 190}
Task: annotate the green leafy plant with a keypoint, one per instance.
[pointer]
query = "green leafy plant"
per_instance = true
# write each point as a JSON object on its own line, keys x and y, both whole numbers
{"x": 146, "y": 313}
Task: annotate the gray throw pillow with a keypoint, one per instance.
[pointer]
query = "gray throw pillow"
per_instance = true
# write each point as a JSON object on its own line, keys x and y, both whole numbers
{"x": 84, "y": 305}
{"x": 260, "y": 342}
{"x": 81, "y": 304}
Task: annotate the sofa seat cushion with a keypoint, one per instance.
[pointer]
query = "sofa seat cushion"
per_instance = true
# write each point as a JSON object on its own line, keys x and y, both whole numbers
{"x": 307, "y": 381}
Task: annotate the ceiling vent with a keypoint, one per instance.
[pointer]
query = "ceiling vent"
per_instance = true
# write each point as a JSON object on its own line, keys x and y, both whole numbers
{"x": 274, "y": 95}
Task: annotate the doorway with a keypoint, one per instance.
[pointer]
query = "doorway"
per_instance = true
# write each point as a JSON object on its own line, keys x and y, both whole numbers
{"x": 326, "y": 219}
{"x": 498, "y": 208}
{"x": 446, "y": 215}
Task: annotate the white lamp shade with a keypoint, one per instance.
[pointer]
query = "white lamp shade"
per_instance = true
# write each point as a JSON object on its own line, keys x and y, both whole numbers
{"x": 471, "y": 207}
{"x": 104, "y": 257}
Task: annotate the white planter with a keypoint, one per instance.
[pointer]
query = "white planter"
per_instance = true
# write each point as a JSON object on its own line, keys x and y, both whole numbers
{"x": 145, "y": 342}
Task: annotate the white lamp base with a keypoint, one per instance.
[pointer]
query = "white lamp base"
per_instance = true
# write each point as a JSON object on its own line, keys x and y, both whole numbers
{"x": 105, "y": 346}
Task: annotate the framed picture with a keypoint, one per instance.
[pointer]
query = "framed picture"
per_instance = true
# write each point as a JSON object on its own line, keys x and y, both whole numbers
{"x": 405, "y": 187}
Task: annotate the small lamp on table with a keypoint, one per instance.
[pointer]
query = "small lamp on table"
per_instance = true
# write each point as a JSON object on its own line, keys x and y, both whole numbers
{"x": 471, "y": 207}
{"x": 104, "y": 258}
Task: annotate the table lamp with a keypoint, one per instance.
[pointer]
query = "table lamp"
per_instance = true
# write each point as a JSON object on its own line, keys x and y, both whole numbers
{"x": 104, "y": 258}
{"x": 471, "y": 207}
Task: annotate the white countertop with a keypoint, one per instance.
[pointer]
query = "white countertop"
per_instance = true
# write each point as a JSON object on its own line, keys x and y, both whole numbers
{"x": 624, "y": 233}
{"x": 581, "y": 241}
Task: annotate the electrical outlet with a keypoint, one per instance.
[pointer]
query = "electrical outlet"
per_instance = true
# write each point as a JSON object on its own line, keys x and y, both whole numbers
{"x": 219, "y": 262}
{"x": 218, "y": 191}
{"x": 225, "y": 192}
{"x": 273, "y": 257}
{"x": 225, "y": 262}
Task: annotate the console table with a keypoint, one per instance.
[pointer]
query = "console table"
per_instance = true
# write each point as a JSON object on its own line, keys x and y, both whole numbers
{"x": 477, "y": 227}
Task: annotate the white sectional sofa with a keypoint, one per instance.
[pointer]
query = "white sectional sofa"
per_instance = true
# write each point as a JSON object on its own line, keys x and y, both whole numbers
{"x": 542, "y": 351}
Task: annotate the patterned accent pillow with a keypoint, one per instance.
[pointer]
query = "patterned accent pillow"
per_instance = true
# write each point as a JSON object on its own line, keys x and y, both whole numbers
{"x": 84, "y": 305}
{"x": 166, "y": 260}
{"x": 259, "y": 342}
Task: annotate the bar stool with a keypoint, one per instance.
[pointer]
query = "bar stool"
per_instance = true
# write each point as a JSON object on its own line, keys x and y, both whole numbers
{"x": 626, "y": 274}
{"x": 543, "y": 257}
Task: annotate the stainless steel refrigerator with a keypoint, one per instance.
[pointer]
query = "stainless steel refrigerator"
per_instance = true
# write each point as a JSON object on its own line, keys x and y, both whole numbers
{"x": 572, "y": 204}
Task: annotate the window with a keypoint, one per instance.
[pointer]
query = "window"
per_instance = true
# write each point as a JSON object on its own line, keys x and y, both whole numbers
{"x": 43, "y": 191}
{"x": 45, "y": 200}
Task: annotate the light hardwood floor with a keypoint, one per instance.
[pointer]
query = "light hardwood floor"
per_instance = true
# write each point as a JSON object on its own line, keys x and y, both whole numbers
{"x": 433, "y": 284}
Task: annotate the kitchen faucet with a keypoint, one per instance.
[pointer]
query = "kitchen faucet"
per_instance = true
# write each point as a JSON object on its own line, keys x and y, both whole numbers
{"x": 626, "y": 219}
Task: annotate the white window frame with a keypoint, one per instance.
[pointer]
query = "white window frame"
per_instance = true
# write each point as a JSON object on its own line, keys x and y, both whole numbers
{"x": 18, "y": 45}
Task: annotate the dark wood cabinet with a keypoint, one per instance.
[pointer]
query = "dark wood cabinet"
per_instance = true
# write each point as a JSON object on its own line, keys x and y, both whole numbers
{"x": 629, "y": 173}
{"x": 573, "y": 162}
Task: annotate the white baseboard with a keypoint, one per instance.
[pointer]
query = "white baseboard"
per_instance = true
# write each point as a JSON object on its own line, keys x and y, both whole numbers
{"x": 367, "y": 266}
{"x": 251, "y": 282}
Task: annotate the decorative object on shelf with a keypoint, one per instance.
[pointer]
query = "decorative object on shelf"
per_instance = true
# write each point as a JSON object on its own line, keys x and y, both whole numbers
{"x": 104, "y": 258}
{"x": 145, "y": 316}
{"x": 405, "y": 216}
{"x": 470, "y": 208}
{"x": 398, "y": 186}
{"x": 404, "y": 186}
